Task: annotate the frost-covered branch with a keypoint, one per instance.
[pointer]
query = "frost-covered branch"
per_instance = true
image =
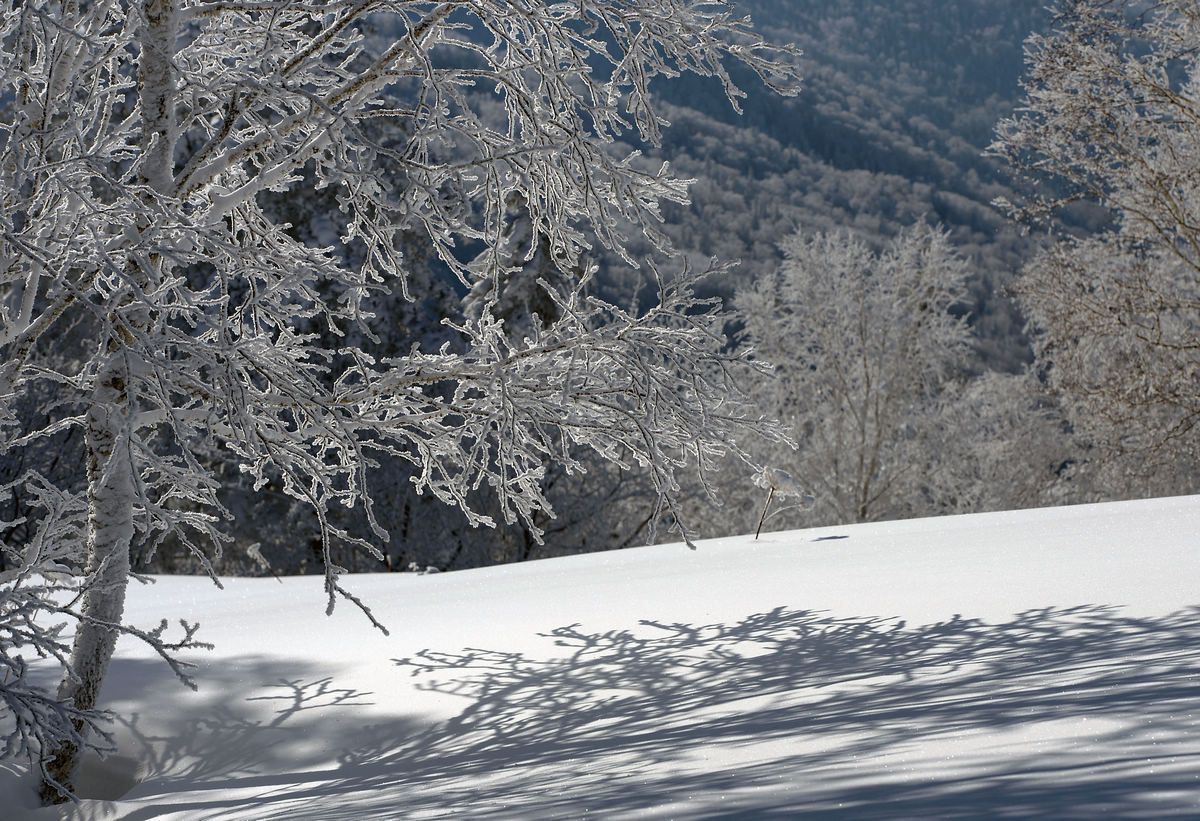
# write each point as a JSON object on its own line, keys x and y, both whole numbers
{"x": 1113, "y": 119}
{"x": 32, "y": 627}
{"x": 156, "y": 309}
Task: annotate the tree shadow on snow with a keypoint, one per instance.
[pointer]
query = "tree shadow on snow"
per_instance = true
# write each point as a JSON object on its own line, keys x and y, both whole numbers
{"x": 802, "y": 715}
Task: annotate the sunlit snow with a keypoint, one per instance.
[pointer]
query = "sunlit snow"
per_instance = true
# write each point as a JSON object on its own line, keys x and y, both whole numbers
{"x": 1035, "y": 664}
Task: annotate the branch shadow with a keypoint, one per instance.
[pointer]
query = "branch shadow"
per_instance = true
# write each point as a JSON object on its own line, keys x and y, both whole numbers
{"x": 780, "y": 715}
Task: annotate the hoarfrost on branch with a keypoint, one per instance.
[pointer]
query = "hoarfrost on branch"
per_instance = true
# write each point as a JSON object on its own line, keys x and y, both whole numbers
{"x": 152, "y": 308}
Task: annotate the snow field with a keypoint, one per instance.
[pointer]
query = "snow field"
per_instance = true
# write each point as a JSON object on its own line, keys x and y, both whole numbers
{"x": 1032, "y": 664}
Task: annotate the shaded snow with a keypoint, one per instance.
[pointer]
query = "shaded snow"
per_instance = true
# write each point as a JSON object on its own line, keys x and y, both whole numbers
{"x": 1034, "y": 664}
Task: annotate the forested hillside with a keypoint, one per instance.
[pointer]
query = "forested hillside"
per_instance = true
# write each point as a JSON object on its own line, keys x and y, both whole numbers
{"x": 899, "y": 103}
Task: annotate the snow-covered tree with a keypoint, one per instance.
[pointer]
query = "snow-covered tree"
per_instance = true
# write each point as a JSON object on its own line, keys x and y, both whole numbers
{"x": 871, "y": 355}
{"x": 149, "y": 301}
{"x": 864, "y": 345}
{"x": 1112, "y": 119}
{"x": 1003, "y": 446}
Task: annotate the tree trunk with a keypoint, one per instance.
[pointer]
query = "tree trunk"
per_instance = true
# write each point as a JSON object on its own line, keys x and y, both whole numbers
{"x": 111, "y": 481}
{"x": 111, "y": 489}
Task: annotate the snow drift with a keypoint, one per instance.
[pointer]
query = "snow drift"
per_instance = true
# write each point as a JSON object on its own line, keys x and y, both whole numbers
{"x": 1032, "y": 664}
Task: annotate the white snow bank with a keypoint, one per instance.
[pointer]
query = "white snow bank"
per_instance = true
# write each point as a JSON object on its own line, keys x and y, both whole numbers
{"x": 1033, "y": 664}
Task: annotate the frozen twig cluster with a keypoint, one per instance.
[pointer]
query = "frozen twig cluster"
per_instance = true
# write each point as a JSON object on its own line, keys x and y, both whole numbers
{"x": 779, "y": 482}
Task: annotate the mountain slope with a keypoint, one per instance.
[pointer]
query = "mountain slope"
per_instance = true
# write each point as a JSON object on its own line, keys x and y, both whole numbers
{"x": 898, "y": 106}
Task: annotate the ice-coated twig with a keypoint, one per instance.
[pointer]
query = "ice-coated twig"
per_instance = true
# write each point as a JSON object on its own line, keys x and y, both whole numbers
{"x": 781, "y": 482}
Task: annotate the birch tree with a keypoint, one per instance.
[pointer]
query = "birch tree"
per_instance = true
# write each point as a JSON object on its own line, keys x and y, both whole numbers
{"x": 147, "y": 293}
{"x": 1112, "y": 119}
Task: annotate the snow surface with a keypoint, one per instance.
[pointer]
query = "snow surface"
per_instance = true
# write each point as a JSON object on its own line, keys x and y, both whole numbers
{"x": 1032, "y": 664}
